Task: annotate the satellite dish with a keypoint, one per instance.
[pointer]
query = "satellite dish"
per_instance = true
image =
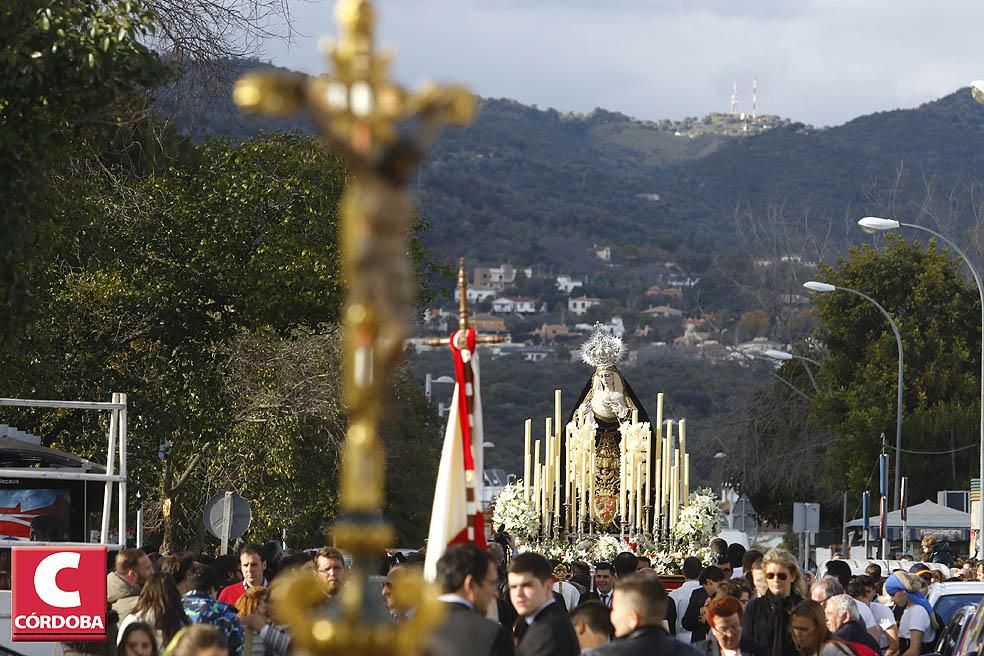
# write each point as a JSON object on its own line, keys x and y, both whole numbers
{"x": 240, "y": 515}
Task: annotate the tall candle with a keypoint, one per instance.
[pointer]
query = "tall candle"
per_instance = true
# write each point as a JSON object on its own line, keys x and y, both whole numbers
{"x": 682, "y": 432}
{"x": 658, "y": 508}
{"x": 591, "y": 489}
{"x": 635, "y": 415}
{"x": 649, "y": 469}
{"x": 686, "y": 478}
{"x": 557, "y": 485}
{"x": 674, "y": 495}
{"x": 557, "y": 409}
{"x": 536, "y": 474}
{"x": 527, "y": 464}
{"x": 659, "y": 414}
{"x": 621, "y": 481}
{"x": 545, "y": 508}
{"x": 640, "y": 520}
{"x": 582, "y": 492}
{"x": 549, "y": 464}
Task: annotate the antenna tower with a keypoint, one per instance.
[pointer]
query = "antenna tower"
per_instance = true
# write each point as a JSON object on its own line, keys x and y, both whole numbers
{"x": 734, "y": 98}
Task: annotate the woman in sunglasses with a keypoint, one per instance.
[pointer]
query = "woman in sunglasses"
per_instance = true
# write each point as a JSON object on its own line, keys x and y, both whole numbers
{"x": 767, "y": 617}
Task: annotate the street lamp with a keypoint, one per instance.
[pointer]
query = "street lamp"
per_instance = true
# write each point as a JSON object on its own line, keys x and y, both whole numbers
{"x": 825, "y": 288}
{"x": 785, "y": 356}
{"x": 873, "y": 224}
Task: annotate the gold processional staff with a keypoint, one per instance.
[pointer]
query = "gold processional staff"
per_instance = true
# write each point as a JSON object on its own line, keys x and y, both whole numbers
{"x": 360, "y": 113}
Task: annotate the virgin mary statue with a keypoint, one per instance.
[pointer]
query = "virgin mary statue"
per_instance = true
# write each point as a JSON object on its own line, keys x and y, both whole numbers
{"x": 606, "y": 404}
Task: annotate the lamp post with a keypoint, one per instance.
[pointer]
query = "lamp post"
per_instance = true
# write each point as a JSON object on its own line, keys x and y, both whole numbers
{"x": 873, "y": 224}
{"x": 785, "y": 356}
{"x": 824, "y": 288}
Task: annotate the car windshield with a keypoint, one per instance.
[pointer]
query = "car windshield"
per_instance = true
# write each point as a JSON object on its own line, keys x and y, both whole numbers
{"x": 947, "y": 605}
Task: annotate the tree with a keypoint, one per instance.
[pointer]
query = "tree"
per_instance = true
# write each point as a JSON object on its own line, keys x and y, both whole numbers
{"x": 208, "y": 290}
{"x": 822, "y": 444}
{"x": 937, "y": 313}
{"x": 66, "y": 68}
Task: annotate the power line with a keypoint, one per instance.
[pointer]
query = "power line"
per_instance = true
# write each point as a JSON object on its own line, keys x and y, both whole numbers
{"x": 934, "y": 453}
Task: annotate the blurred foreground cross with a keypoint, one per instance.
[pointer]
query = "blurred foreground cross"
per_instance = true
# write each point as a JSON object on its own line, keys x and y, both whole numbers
{"x": 382, "y": 131}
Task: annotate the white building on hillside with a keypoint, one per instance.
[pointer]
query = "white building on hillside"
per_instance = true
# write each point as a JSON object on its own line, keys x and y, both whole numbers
{"x": 520, "y": 304}
{"x": 476, "y": 294}
{"x": 581, "y": 304}
{"x": 566, "y": 284}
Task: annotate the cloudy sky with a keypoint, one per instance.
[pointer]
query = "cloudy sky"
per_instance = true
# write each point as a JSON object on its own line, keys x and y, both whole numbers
{"x": 818, "y": 61}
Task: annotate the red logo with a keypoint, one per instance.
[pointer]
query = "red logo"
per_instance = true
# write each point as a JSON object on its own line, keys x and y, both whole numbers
{"x": 59, "y": 594}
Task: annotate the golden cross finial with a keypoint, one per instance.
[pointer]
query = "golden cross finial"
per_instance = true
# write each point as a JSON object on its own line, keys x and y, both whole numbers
{"x": 463, "y": 315}
{"x": 358, "y": 112}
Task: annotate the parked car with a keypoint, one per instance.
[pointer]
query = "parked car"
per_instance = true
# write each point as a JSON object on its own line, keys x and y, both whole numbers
{"x": 946, "y": 598}
{"x": 971, "y": 639}
{"x": 953, "y": 633}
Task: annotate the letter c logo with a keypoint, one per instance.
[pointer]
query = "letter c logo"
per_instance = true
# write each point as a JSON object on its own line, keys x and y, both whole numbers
{"x": 46, "y": 586}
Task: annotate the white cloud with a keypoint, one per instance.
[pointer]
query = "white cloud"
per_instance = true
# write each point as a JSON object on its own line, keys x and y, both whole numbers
{"x": 819, "y": 61}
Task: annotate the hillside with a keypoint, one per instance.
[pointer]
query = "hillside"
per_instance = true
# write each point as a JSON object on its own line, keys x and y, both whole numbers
{"x": 525, "y": 184}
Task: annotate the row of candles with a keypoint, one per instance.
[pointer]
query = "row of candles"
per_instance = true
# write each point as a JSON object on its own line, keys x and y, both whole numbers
{"x": 561, "y": 483}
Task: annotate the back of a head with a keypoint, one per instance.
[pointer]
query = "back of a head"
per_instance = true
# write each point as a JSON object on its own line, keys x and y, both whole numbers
{"x": 830, "y": 586}
{"x": 531, "y": 563}
{"x": 459, "y": 562}
{"x": 710, "y": 573}
{"x": 194, "y": 639}
{"x": 858, "y": 586}
{"x": 127, "y": 559}
{"x": 177, "y": 565}
{"x": 201, "y": 577}
{"x": 595, "y": 615}
{"x": 736, "y": 554}
{"x": 874, "y": 570}
{"x": 625, "y": 564}
{"x": 692, "y": 567}
{"x": 733, "y": 588}
{"x": 840, "y": 570}
{"x": 644, "y": 594}
{"x": 750, "y": 558}
{"x": 719, "y": 546}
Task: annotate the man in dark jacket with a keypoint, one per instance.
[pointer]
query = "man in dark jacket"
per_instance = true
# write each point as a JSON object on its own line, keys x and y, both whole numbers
{"x": 693, "y": 620}
{"x": 468, "y": 577}
{"x": 638, "y": 611}
{"x": 844, "y": 621}
{"x": 543, "y": 628}
{"x": 724, "y": 616}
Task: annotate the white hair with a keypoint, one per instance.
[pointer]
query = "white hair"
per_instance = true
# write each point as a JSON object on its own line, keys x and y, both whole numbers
{"x": 843, "y": 604}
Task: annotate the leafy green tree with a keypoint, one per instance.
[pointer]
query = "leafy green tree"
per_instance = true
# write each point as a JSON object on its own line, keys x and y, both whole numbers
{"x": 208, "y": 290}
{"x": 937, "y": 314}
{"x": 788, "y": 437}
{"x": 66, "y": 68}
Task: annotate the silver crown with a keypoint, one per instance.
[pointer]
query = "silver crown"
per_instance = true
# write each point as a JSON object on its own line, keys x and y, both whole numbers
{"x": 602, "y": 350}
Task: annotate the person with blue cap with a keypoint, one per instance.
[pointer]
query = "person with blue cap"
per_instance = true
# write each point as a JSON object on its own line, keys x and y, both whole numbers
{"x": 917, "y": 626}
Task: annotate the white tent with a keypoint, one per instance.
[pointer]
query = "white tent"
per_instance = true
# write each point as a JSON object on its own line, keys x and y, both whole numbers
{"x": 923, "y": 515}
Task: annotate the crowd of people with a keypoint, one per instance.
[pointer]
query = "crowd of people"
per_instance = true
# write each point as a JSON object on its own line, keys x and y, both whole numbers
{"x": 503, "y": 603}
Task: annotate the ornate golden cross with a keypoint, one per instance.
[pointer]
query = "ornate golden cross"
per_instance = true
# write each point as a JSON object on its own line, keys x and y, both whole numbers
{"x": 358, "y": 112}
{"x": 463, "y": 315}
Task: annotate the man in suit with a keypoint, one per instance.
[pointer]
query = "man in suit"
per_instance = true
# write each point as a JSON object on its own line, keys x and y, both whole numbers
{"x": 638, "y": 611}
{"x": 693, "y": 619}
{"x": 543, "y": 628}
{"x": 724, "y": 616}
{"x": 468, "y": 577}
{"x": 604, "y": 579}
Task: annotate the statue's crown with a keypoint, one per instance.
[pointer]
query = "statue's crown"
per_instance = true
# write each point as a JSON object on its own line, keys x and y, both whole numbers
{"x": 602, "y": 350}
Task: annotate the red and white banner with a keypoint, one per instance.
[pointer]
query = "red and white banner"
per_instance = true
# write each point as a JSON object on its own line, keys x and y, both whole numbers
{"x": 456, "y": 515}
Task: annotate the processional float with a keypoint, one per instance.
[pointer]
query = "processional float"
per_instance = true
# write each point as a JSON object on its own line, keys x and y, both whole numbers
{"x": 362, "y": 115}
{"x": 608, "y": 469}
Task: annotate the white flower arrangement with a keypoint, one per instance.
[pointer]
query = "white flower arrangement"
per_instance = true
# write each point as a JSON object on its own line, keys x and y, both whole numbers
{"x": 699, "y": 520}
{"x": 513, "y": 512}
